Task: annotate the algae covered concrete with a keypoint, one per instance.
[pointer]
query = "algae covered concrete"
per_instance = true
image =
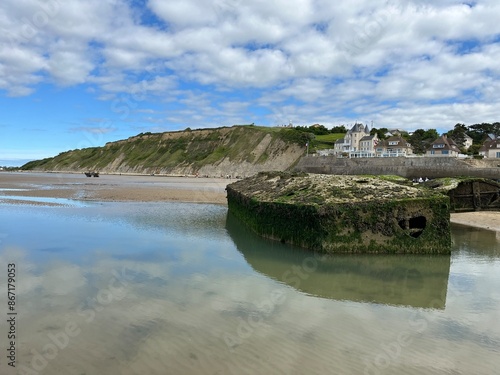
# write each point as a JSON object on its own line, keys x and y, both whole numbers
{"x": 348, "y": 214}
{"x": 409, "y": 280}
{"x": 469, "y": 193}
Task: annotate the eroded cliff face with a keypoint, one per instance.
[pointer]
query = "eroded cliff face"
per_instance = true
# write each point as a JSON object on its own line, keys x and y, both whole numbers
{"x": 329, "y": 213}
{"x": 237, "y": 151}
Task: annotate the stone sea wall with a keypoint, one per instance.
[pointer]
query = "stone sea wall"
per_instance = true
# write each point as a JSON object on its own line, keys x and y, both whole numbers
{"x": 412, "y": 167}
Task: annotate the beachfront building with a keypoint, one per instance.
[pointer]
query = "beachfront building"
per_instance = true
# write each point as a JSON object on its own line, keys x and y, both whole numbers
{"x": 491, "y": 147}
{"x": 394, "y": 146}
{"x": 350, "y": 142}
{"x": 443, "y": 147}
{"x": 357, "y": 143}
{"x": 367, "y": 146}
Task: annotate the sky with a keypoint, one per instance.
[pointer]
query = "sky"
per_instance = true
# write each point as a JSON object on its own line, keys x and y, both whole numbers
{"x": 80, "y": 73}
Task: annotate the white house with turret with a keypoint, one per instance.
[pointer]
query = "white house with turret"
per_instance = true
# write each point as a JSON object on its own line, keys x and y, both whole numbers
{"x": 357, "y": 142}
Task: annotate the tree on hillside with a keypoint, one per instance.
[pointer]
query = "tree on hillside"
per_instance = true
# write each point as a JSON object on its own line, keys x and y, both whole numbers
{"x": 405, "y": 134}
{"x": 474, "y": 149}
{"x": 315, "y": 129}
{"x": 479, "y": 132}
{"x": 380, "y": 132}
{"x": 421, "y": 139}
{"x": 458, "y": 134}
{"x": 319, "y": 129}
{"x": 338, "y": 129}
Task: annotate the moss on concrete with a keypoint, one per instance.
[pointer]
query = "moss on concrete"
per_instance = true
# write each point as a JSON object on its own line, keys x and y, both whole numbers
{"x": 358, "y": 214}
{"x": 468, "y": 193}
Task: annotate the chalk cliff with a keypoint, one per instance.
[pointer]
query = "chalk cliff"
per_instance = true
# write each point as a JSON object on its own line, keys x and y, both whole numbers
{"x": 237, "y": 151}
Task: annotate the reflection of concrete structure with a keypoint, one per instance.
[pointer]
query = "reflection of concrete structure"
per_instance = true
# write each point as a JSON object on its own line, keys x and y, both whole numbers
{"x": 392, "y": 280}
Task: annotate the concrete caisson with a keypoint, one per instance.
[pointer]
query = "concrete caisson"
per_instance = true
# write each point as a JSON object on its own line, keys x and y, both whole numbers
{"x": 344, "y": 214}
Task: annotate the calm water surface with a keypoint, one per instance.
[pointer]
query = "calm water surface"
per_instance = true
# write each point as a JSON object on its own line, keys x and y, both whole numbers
{"x": 175, "y": 288}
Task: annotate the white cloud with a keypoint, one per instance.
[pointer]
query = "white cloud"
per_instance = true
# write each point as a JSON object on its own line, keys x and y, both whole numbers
{"x": 69, "y": 67}
{"x": 311, "y": 58}
{"x": 184, "y": 13}
{"x": 93, "y": 129}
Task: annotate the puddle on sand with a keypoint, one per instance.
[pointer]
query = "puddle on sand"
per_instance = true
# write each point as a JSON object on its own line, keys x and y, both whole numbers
{"x": 44, "y": 200}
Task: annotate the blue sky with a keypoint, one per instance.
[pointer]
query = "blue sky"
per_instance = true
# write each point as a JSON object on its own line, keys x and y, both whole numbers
{"x": 81, "y": 73}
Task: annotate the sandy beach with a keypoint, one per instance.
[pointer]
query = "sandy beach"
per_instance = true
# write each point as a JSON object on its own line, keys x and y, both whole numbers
{"x": 480, "y": 219}
{"x": 111, "y": 188}
{"x": 15, "y": 186}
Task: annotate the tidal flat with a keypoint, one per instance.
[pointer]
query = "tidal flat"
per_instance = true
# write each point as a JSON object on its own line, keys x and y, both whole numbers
{"x": 183, "y": 288}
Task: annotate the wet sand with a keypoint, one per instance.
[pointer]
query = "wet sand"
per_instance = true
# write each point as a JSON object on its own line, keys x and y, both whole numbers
{"x": 152, "y": 189}
{"x": 112, "y": 187}
{"x": 479, "y": 219}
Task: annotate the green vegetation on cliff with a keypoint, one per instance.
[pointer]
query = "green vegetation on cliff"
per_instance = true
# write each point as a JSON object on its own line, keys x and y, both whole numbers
{"x": 326, "y": 141}
{"x": 188, "y": 150}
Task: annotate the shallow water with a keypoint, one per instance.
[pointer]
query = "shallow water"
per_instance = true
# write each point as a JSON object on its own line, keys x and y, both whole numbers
{"x": 176, "y": 288}
{"x": 42, "y": 200}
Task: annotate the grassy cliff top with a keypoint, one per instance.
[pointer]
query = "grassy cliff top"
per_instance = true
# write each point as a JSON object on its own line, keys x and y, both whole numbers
{"x": 302, "y": 188}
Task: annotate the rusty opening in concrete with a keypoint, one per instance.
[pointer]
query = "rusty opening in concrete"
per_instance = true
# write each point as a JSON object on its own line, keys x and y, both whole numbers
{"x": 475, "y": 195}
{"x": 414, "y": 225}
{"x": 470, "y": 194}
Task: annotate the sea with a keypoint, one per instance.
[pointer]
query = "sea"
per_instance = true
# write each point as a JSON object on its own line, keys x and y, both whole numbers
{"x": 181, "y": 288}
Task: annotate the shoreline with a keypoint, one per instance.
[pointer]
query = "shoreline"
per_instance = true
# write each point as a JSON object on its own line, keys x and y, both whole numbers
{"x": 146, "y": 188}
{"x": 112, "y": 188}
{"x": 489, "y": 220}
